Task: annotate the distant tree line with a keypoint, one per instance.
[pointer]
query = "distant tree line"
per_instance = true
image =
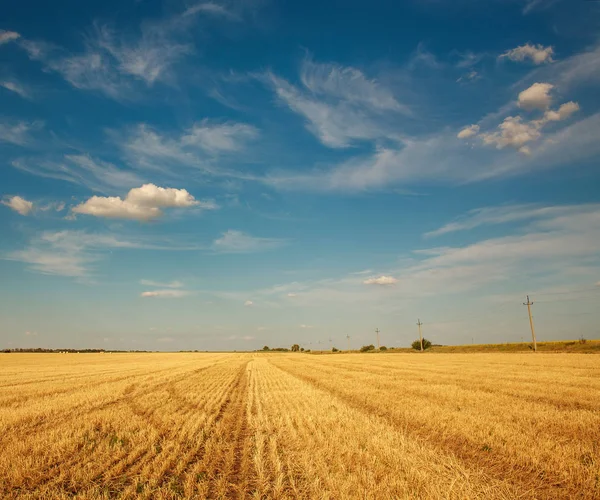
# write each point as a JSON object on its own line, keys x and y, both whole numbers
{"x": 40, "y": 349}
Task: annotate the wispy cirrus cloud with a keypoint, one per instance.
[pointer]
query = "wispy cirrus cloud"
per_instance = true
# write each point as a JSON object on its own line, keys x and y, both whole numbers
{"x": 16, "y": 87}
{"x": 77, "y": 253}
{"x": 170, "y": 284}
{"x": 341, "y": 105}
{"x": 19, "y": 133}
{"x": 168, "y": 294}
{"x": 511, "y": 213}
{"x": 82, "y": 169}
{"x": 239, "y": 242}
{"x": 198, "y": 146}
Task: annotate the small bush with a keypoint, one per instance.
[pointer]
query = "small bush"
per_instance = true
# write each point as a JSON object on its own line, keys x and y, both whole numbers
{"x": 334, "y": 349}
{"x": 383, "y": 348}
{"x": 366, "y": 348}
{"x": 582, "y": 340}
{"x": 416, "y": 345}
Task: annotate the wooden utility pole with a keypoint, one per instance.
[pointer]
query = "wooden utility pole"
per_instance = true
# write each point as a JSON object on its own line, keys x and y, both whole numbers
{"x": 419, "y": 324}
{"x": 377, "y": 332}
{"x": 348, "y": 337}
{"x": 529, "y": 304}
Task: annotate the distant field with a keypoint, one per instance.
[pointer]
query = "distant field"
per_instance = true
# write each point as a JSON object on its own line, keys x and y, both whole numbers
{"x": 299, "y": 426}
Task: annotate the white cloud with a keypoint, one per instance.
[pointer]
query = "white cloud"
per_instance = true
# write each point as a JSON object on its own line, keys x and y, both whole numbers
{"x": 564, "y": 112}
{"x": 469, "y": 131}
{"x": 514, "y": 132}
{"x": 248, "y": 303}
{"x": 165, "y": 339}
{"x": 341, "y": 105}
{"x": 8, "y": 36}
{"x": 247, "y": 337}
{"x": 73, "y": 253}
{"x": 210, "y": 8}
{"x": 15, "y": 87}
{"x": 19, "y": 205}
{"x": 148, "y": 57}
{"x": 218, "y": 137}
{"x": 18, "y": 133}
{"x": 471, "y": 76}
{"x": 349, "y": 84}
{"x": 292, "y": 294}
{"x": 509, "y": 213}
{"x": 381, "y": 280}
{"x": 238, "y": 242}
{"x": 538, "y": 54}
{"x": 306, "y": 326}
{"x": 111, "y": 63}
{"x": 49, "y": 261}
{"x": 169, "y": 294}
{"x": 441, "y": 158}
{"x": 81, "y": 169}
{"x": 30, "y": 334}
{"x": 536, "y": 97}
{"x": 143, "y": 203}
{"x": 423, "y": 57}
{"x": 172, "y": 284}
{"x": 58, "y": 206}
{"x": 197, "y": 147}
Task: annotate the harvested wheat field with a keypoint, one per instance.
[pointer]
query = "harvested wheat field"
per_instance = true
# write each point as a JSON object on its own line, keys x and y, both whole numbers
{"x": 299, "y": 426}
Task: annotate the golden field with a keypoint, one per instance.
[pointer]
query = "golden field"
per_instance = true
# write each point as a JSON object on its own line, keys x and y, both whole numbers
{"x": 290, "y": 425}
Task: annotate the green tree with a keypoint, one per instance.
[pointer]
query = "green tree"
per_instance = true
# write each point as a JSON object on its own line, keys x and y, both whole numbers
{"x": 266, "y": 348}
{"x": 416, "y": 345}
{"x": 295, "y": 348}
{"x": 383, "y": 348}
{"x": 366, "y": 348}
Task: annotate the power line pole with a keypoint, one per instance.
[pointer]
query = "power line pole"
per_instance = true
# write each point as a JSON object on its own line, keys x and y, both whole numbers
{"x": 529, "y": 304}
{"x": 419, "y": 324}
{"x": 377, "y": 332}
{"x": 348, "y": 337}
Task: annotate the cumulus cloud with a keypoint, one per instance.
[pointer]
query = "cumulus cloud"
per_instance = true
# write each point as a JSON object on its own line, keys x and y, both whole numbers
{"x": 143, "y": 203}
{"x": 564, "y": 112}
{"x": 169, "y": 294}
{"x": 248, "y": 303}
{"x": 536, "y": 97}
{"x": 8, "y": 36}
{"x": 514, "y": 132}
{"x": 381, "y": 280}
{"x": 19, "y": 205}
{"x": 538, "y": 54}
{"x": 469, "y": 131}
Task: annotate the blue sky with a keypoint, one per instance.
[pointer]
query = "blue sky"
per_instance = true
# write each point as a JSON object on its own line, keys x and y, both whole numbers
{"x": 224, "y": 175}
